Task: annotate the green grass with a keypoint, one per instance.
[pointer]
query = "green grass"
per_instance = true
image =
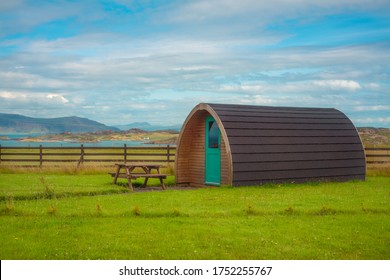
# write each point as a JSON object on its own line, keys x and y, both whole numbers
{"x": 27, "y": 186}
{"x": 309, "y": 221}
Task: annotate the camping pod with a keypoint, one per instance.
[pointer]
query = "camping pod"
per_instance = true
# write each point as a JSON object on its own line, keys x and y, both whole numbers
{"x": 222, "y": 144}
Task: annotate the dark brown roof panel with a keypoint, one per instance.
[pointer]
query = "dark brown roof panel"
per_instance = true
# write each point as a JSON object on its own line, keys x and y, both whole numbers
{"x": 287, "y": 120}
{"x": 319, "y": 148}
{"x": 309, "y": 156}
{"x": 291, "y": 174}
{"x": 281, "y": 114}
{"x": 295, "y": 165}
{"x": 298, "y": 126}
{"x": 302, "y": 180}
{"x": 290, "y": 144}
{"x": 255, "y": 140}
{"x": 291, "y": 132}
{"x": 254, "y": 108}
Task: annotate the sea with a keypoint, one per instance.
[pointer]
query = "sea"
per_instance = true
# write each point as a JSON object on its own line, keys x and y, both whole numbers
{"x": 13, "y": 140}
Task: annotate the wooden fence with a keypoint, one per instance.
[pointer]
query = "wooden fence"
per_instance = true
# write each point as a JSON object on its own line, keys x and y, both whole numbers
{"x": 377, "y": 155}
{"x": 38, "y": 156}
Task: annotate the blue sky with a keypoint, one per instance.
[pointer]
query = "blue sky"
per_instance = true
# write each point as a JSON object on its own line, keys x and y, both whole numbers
{"x": 127, "y": 61}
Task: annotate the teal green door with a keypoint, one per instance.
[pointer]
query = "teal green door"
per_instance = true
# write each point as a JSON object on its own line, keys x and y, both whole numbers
{"x": 213, "y": 153}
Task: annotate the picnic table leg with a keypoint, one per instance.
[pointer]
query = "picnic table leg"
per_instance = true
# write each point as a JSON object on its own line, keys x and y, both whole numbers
{"x": 162, "y": 183}
{"x": 147, "y": 171}
{"x": 118, "y": 169}
{"x": 145, "y": 182}
{"x": 129, "y": 179}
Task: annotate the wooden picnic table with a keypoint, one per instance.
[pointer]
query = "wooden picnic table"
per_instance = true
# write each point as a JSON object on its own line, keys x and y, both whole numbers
{"x": 129, "y": 173}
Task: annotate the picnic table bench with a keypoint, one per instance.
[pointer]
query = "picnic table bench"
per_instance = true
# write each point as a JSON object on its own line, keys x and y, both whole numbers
{"x": 129, "y": 174}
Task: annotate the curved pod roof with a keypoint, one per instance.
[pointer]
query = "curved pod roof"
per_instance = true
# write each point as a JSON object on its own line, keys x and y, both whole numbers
{"x": 263, "y": 144}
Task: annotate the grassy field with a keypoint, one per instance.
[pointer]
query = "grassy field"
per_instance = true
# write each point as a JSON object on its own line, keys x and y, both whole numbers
{"x": 81, "y": 216}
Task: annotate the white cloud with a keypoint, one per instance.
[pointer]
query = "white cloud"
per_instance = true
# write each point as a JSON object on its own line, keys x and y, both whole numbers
{"x": 24, "y": 16}
{"x": 257, "y": 100}
{"x": 372, "y": 86}
{"x": 168, "y": 63}
{"x": 207, "y": 10}
{"x": 12, "y": 95}
{"x": 339, "y": 84}
{"x": 23, "y": 98}
{"x": 194, "y": 68}
{"x": 383, "y": 120}
{"x": 373, "y": 108}
{"x": 57, "y": 97}
{"x": 26, "y": 80}
{"x": 297, "y": 87}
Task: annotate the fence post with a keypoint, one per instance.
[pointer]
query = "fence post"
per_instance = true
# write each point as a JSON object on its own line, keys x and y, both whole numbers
{"x": 168, "y": 154}
{"x": 125, "y": 153}
{"x": 40, "y": 156}
{"x": 81, "y": 160}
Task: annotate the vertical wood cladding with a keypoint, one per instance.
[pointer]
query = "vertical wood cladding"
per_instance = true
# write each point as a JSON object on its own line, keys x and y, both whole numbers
{"x": 190, "y": 158}
{"x": 262, "y": 144}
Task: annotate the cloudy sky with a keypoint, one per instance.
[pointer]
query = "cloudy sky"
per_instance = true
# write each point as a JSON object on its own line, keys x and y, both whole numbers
{"x": 127, "y": 61}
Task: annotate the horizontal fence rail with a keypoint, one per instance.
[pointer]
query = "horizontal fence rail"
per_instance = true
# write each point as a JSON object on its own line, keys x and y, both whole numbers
{"x": 377, "y": 155}
{"x": 38, "y": 156}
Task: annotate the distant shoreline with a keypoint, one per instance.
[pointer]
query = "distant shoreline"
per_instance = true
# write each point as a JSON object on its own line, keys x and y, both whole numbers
{"x": 132, "y": 137}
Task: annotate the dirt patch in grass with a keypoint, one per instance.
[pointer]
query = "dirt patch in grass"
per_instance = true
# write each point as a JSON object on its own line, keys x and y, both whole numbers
{"x": 156, "y": 188}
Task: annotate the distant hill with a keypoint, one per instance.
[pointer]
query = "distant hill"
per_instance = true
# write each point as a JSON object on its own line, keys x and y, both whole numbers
{"x": 14, "y": 124}
{"x": 375, "y": 137}
{"x": 148, "y": 127}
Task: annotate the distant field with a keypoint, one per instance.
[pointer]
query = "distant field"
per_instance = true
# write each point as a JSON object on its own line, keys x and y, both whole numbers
{"x": 60, "y": 216}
